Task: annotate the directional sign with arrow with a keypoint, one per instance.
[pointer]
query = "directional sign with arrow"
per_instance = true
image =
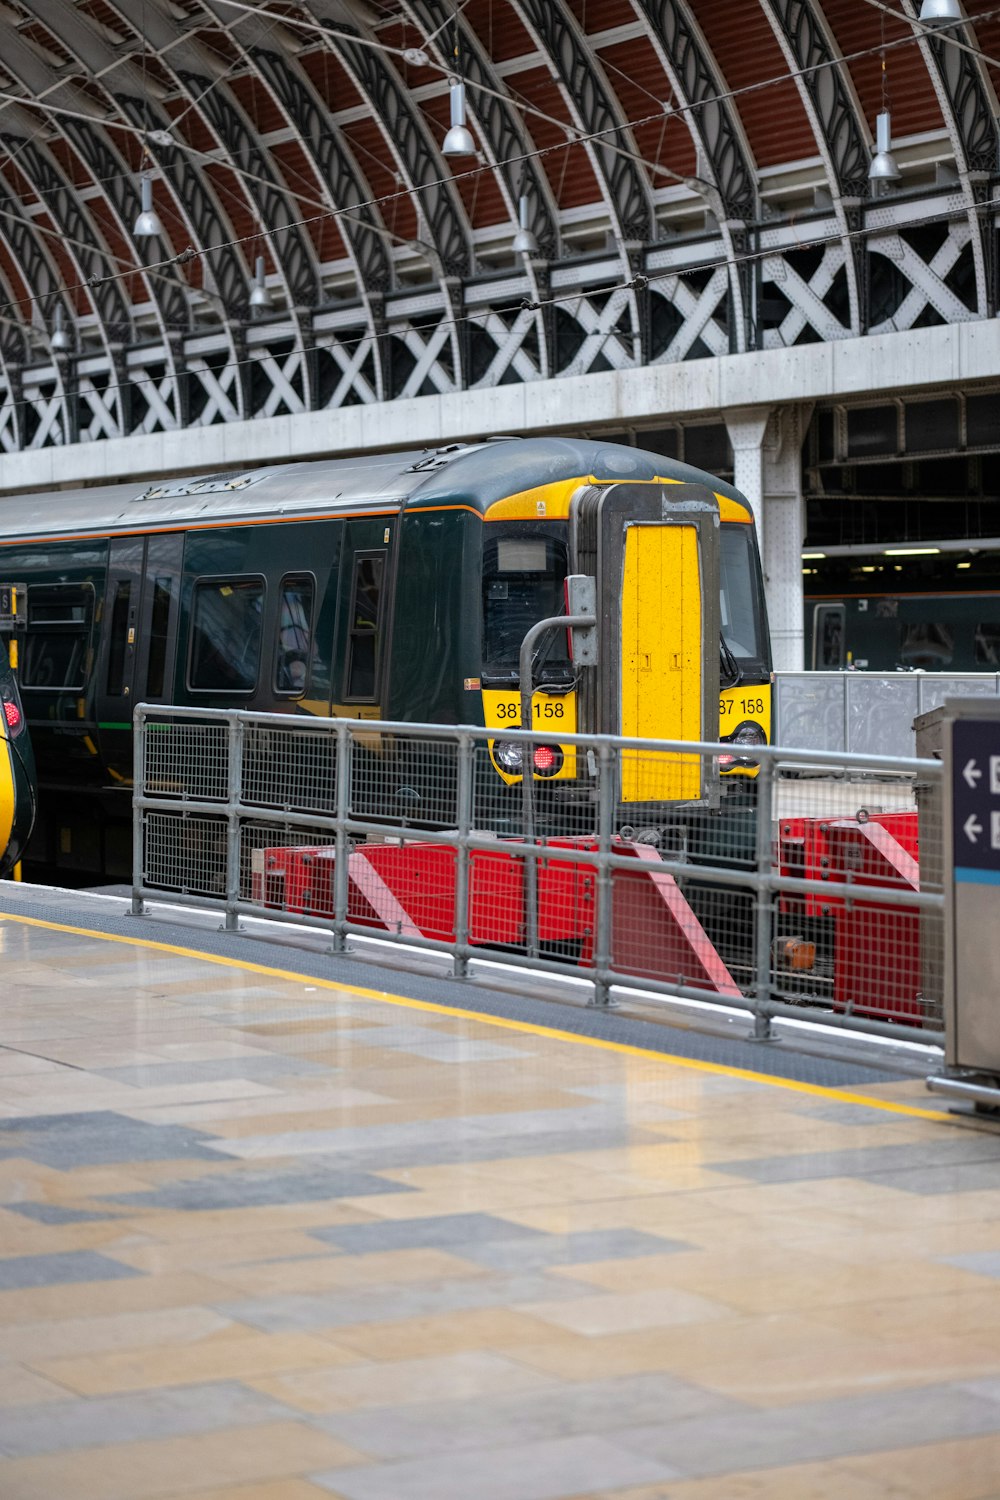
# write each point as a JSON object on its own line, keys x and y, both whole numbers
{"x": 975, "y": 792}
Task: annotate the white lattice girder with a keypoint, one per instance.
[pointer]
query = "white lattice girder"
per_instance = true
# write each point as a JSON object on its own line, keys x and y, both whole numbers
{"x": 510, "y": 350}
{"x": 219, "y": 405}
{"x": 927, "y": 279}
{"x": 806, "y": 298}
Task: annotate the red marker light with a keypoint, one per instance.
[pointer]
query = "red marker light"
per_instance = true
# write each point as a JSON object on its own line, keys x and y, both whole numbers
{"x": 547, "y": 760}
{"x": 13, "y": 715}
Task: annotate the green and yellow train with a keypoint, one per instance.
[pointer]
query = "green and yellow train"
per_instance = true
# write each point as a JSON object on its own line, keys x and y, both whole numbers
{"x": 397, "y": 587}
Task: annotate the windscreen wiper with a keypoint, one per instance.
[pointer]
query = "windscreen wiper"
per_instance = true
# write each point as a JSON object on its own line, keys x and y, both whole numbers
{"x": 732, "y": 672}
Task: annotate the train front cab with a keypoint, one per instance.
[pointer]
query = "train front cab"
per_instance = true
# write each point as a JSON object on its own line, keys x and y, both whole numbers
{"x": 682, "y": 641}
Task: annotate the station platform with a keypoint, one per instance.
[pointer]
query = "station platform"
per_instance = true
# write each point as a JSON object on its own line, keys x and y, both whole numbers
{"x": 282, "y": 1225}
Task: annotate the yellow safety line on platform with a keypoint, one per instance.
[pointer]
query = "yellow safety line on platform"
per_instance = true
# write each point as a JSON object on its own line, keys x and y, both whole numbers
{"x": 387, "y": 997}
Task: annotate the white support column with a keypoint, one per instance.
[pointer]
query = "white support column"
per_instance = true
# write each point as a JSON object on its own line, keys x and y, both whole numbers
{"x": 747, "y": 425}
{"x": 767, "y": 454}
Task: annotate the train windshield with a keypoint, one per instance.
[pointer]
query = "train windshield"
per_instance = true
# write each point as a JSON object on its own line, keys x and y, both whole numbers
{"x": 524, "y": 567}
{"x": 739, "y": 593}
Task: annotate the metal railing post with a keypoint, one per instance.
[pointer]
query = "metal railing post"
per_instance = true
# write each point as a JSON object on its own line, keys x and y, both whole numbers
{"x": 762, "y": 1028}
{"x": 525, "y": 658}
{"x": 234, "y": 789}
{"x": 342, "y": 847}
{"x": 138, "y": 791}
{"x": 466, "y": 751}
{"x": 604, "y": 882}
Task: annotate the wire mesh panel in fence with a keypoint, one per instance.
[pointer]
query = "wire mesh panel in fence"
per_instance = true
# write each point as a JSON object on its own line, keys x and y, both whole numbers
{"x": 292, "y": 765}
{"x": 285, "y": 868}
{"x": 858, "y": 919}
{"x": 185, "y": 759}
{"x": 184, "y": 853}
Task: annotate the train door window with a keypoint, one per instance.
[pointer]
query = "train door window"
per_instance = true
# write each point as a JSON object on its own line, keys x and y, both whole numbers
{"x": 55, "y": 652}
{"x": 159, "y": 623}
{"x": 226, "y": 635}
{"x": 988, "y": 645}
{"x": 119, "y": 638}
{"x": 293, "y": 651}
{"x": 828, "y": 637}
{"x": 362, "y": 647}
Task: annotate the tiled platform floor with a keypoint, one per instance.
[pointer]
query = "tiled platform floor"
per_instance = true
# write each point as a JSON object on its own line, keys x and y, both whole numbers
{"x": 263, "y": 1238}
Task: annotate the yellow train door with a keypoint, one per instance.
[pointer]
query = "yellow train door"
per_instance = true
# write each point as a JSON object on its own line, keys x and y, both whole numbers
{"x": 661, "y": 671}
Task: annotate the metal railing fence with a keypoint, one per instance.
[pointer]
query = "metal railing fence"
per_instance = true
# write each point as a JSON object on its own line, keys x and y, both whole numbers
{"x": 796, "y": 892}
{"x": 865, "y": 713}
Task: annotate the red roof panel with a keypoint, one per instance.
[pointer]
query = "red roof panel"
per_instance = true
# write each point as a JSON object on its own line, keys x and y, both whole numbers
{"x": 568, "y": 167}
{"x": 499, "y": 29}
{"x": 774, "y": 119}
{"x": 635, "y": 73}
{"x": 859, "y": 29}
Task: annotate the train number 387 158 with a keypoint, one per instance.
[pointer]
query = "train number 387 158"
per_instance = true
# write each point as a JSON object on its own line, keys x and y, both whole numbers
{"x": 728, "y": 706}
{"x": 546, "y": 710}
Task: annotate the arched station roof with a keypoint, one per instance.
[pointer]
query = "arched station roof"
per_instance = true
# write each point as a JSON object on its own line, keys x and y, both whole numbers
{"x": 696, "y": 177}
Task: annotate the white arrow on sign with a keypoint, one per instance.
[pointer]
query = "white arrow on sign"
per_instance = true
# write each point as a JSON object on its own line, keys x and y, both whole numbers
{"x": 972, "y": 774}
{"x": 972, "y": 828}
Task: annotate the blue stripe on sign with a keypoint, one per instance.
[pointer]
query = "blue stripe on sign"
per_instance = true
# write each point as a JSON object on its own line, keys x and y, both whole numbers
{"x": 969, "y": 875}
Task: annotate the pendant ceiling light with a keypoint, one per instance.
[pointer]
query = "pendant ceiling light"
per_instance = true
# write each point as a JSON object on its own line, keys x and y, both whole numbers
{"x": 458, "y": 141}
{"x": 939, "y": 12}
{"x": 147, "y": 225}
{"x": 524, "y": 242}
{"x": 883, "y": 167}
{"x": 260, "y": 297}
{"x": 61, "y": 341}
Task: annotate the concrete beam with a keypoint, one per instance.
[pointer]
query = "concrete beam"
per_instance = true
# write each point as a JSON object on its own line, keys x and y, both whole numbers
{"x": 918, "y": 360}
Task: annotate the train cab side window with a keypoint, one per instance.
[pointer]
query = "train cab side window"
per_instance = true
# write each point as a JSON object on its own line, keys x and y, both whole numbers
{"x": 55, "y": 655}
{"x": 293, "y": 650}
{"x": 226, "y": 635}
{"x": 363, "y": 634}
{"x": 828, "y": 637}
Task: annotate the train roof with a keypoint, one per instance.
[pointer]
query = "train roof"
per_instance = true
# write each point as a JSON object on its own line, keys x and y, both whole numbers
{"x": 475, "y": 475}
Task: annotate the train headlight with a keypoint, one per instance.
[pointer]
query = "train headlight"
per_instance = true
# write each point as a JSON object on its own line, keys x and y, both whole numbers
{"x": 508, "y": 756}
{"x": 745, "y": 735}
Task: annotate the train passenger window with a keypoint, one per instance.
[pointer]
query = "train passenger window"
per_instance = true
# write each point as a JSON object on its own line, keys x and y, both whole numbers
{"x": 524, "y": 567}
{"x": 988, "y": 645}
{"x": 226, "y": 635}
{"x": 55, "y": 654}
{"x": 362, "y": 647}
{"x": 119, "y": 636}
{"x": 828, "y": 637}
{"x": 159, "y": 622}
{"x": 294, "y": 645}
